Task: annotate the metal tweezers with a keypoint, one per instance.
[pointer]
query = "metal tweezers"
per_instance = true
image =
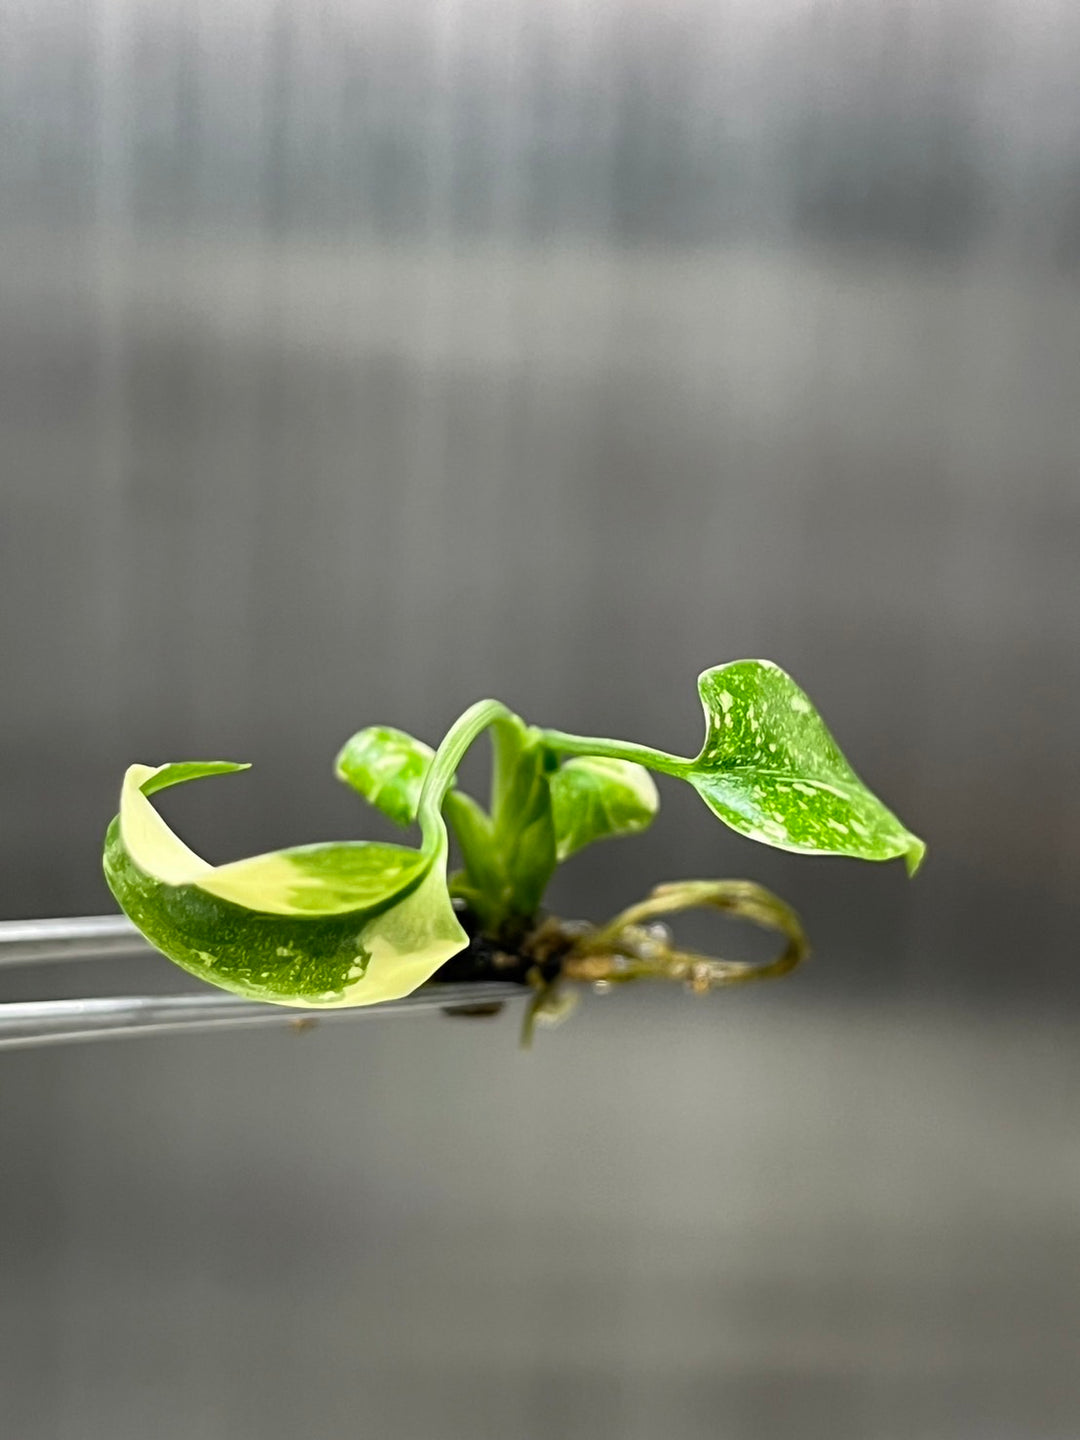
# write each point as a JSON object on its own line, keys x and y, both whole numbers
{"x": 103, "y": 937}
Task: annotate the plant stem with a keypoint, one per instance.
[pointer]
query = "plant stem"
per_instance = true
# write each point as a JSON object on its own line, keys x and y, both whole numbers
{"x": 465, "y": 729}
{"x": 565, "y": 744}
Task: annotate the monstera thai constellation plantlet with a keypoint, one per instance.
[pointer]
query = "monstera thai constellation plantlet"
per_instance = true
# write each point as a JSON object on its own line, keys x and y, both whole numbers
{"x": 359, "y": 922}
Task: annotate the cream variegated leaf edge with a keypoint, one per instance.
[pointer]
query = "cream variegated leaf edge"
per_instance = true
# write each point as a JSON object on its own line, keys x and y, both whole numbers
{"x": 322, "y": 925}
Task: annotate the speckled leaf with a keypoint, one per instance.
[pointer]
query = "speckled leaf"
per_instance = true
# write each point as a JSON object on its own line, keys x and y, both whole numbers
{"x": 593, "y": 797}
{"x": 388, "y": 768}
{"x": 771, "y": 770}
{"x": 319, "y": 925}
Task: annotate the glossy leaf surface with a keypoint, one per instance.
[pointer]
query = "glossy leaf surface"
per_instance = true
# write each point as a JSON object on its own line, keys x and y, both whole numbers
{"x": 319, "y": 925}
{"x": 522, "y": 824}
{"x": 388, "y": 768}
{"x": 594, "y": 798}
{"x": 770, "y": 769}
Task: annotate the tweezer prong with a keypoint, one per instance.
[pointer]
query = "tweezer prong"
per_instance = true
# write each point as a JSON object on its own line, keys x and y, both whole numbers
{"x": 80, "y": 937}
{"x": 28, "y": 1023}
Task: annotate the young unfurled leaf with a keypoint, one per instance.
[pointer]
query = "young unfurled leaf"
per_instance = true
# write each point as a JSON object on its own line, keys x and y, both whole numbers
{"x": 594, "y": 797}
{"x": 483, "y": 875}
{"x": 320, "y": 925}
{"x": 388, "y": 768}
{"x": 770, "y": 769}
{"x": 521, "y": 818}
{"x": 509, "y": 854}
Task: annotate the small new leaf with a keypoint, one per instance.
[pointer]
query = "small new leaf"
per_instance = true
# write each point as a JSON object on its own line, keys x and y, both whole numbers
{"x": 594, "y": 797}
{"x": 770, "y": 769}
{"x": 388, "y": 768}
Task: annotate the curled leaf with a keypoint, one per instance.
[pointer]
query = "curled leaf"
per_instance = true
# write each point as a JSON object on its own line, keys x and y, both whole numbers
{"x": 319, "y": 925}
{"x": 594, "y": 797}
{"x": 770, "y": 769}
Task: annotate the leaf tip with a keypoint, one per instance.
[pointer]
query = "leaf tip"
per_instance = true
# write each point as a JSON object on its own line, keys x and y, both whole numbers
{"x": 914, "y": 855}
{"x": 151, "y": 779}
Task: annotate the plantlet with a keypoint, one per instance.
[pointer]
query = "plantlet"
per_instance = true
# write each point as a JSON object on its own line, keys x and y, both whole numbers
{"x": 355, "y": 923}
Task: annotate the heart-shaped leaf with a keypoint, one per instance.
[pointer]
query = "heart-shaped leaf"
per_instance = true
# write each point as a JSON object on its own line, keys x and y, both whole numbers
{"x": 388, "y": 768}
{"x": 594, "y": 797}
{"x": 770, "y": 769}
{"x": 319, "y": 925}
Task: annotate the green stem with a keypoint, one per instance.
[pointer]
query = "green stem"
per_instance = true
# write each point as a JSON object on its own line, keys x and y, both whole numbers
{"x": 448, "y": 757}
{"x": 617, "y": 750}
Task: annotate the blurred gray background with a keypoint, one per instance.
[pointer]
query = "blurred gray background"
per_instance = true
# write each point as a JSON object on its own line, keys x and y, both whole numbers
{"x": 358, "y": 360}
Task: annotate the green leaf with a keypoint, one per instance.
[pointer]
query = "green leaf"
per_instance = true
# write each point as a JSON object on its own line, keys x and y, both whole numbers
{"x": 770, "y": 769}
{"x": 594, "y": 797}
{"x": 166, "y": 775}
{"x": 388, "y": 768}
{"x": 319, "y": 925}
{"x": 472, "y": 828}
{"x": 523, "y": 827}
